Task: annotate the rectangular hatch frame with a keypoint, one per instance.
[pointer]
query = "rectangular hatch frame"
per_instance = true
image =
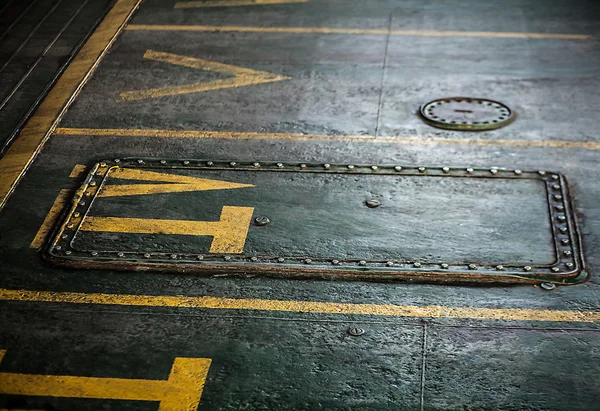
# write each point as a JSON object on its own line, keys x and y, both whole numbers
{"x": 64, "y": 247}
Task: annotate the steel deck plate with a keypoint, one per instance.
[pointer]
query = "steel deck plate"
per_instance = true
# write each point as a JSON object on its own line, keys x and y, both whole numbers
{"x": 322, "y": 220}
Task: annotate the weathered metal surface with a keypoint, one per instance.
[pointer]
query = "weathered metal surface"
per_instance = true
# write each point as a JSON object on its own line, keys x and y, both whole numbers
{"x": 466, "y": 113}
{"x": 438, "y": 223}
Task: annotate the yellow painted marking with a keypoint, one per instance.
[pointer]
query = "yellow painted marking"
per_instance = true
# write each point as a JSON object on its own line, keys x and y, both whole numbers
{"x": 231, "y": 3}
{"x": 78, "y": 171}
{"x": 39, "y": 127}
{"x": 180, "y": 392}
{"x": 241, "y": 77}
{"x": 220, "y": 303}
{"x": 178, "y": 184}
{"x": 229, "y": 233}
{"x": 119, "y": 132}
{"x": 51, "y": 218}
{"x": 381, "y": 32}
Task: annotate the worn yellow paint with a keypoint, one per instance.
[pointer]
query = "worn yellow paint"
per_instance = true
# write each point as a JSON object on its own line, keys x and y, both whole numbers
{"x": 78, "y": 171}
{"x": 231, "y": 3}
{"x": 381, "y": 32}
{"x": 229, "y": 233}
{"x": 180, "y": 392}
{"x": 221, "y": 303}
{"x": 241, "y": 77}
{"x": 51, "y": 218}
{"x": 119, "y": 132}
{"x": 177, "y": 183}
{"x": 40, "y": 126}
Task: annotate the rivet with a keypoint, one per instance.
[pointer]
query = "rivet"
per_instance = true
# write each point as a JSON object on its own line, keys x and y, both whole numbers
{"x": 560, "y": 207}
{"x": 542, "y": 173}
{"x": 163, "y": 162}
{"x": 569, "y": 265}
{"x": 94, "y": 253}
{"x": 82, "y": 203}
{"x": 209, "y": 163}
{"x": 186, "y": 162}
{"x": 262, "y": 220}
{"x": 280, "y": 165}
{"x": 64, "y": 236}
{"x": 500, "y": 267}
{"x": 446, "y": 169}
{"x": 326, "y": 166}
{"x": 256, "y": 164}
{"x": 398, "y": 168}
{"x": 417, "y": 265}
{"x": 563, "y": 229}
{"x": 518, "y": 172}
{"x": 68, "y": 252}
{"x": 335, "y": 262}
{"x": 555, "y": 269}
{"x": 307, "y": 261}
{"x": 355, "y": 331}
{"x": 173, "y": 256}
{"x": 547, "y": 286}
{"x": 422, "y": 169}
{"x": 253, "y": 258}
{"x": 200, "y": 257}
{"x": 372, "y": 203}
{"x": 87, "y": 194}
{"x": 233, "y": 164}
{"x": 280, "y": 260}
{"x": 76, "y": 214}
{"x": 567, "y": 253}
{"x": 469, "y": 170}
{"x": 350, "y": 167}
{"x": 147, "y": 255}
{"x": 555, "y": 177}
{"x": 103, "y": 165}
{"x": 70, "y": 225}
{"x": 117, "y": 160}
{"x": 444, "y": 266}
{"x": 58, "y": 247}
{"x": 527, "y": 268}
{"x": 374, "y": 168}
{"x": 98, "y": 173}
{"x": 93, "y": 184}
{"x": 558, "y": 197}
{"x": 472, "y": 267}
{"x": 227, "y": 258}
{"x": 302, "y": 165}
{"x": 140, "y": 161}
{"x": 556, "y": 187}
{"x": 561, "y": 218}
{"x": 494, "y": 171}
{"x": 390, "y": 263}
{"x": 362, "y": 262}
{"x": 565, "y": 241}
{"x": 121, "y": 254}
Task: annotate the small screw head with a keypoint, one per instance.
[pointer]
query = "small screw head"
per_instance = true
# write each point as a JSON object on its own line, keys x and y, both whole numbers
{"x": 121, "y": 254}
{"x": 556, "y": 187}
{"x": 303, "y": 166}
{"x": 70, "y": 225}
{"x": 355, "y": 331}
{"x": 565, "y": 241}
{"x": 560, "y": 207}
{"x": 569, "y": 265}
{"x": 398, "y": 168}
{"x": 362, "y": 262}
{"x": 390, "y": 263}
{"x": 186, "y": 162}
{"x": 422, "y": 169}
{"x": 372, "y": 203}
{"x": 417, "y": 265}
{"x": 163, "y": 162}
{"x": 561, "y": 218}
{"x": 280, "y": 165}
{"x": 472, "y": 267}
{"x": 68, "y": 252}
{"x": 174, "y": 256}
{"x": 94, "y": 253}
{"x": 262, "y": 220}
{"x": 518, "y": 172}
{"x": 82, "y": 203}
{"x": 256, "y": 164}
{"x": 444, "y": 266}
{"x": 374, "y": 168}
{"x": 350, "y": 167}
{"x": 280, "y": 260}
{"x": 547, "y": 286}
{"x": 307, "y": 261}
{"x": 527, "y": 268}
{"x": 76, "y": 214}
{"x": 558, "y": 197}
{"x": 494, "y": 171}
{"x": 200, "y": 257}
{"x": 542, "y": 173}
{"x": 64, "y": 236}
{"x": 446, "y": 169}
{"x": 233, "y": 164}
{"x": 326, "y": 166}
{"x": 469, "y": 170}
{"x": 147, "y": 255}
{"x": 555, "y": 269}
{"x": 563, "y": 229}
{"x": 500, "y": 267}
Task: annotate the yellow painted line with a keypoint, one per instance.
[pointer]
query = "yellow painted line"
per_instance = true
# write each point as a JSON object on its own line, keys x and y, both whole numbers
{"x": 51, "y": 218}
{"x": 241, "y": 77}
{"x": 120, "y": 132}
{"x": 381, "y": 32}
{"x": 221, "y": 303}
{"x": 180, "y": 392}
{"x": 78, "y": 171}
{"x": 229, "y": 233}
{"x": 231, "y": 3}
{"x": 39, "y": 127}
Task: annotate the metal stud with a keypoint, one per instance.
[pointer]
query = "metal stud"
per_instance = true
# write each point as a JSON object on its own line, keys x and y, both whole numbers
{"x": 94, "y": 253}
{"x": 262, "y": 220}
{"x": 362, "y": 262}
{"x": 210, "y": 163}
{"x": 335, "y": 262}
{"x": 444, "y": 266}
{"x": 147, "y": 255}
{"x": 64, "y": 236}
{"x": 561, "y": 218}
{"x": 555, "y": 177}
{"x": 58, "y": 248}
{"x": 558, "y": 197}
{"x": 76, "y": 214}
{"x": 555, "y": 269}
{"x": 326, "y": 166}
{"x": 568, "y": 253}
{"x": 565, "y": 241}
{"x": 200, "y": 257}
{"x": 93, "y": 184}
{"x": 280, "y": 260}
{"x": 117, "y": 160}
{"x": 140, "y": 161}
{"x": 87, "y": 194}
{"x": 280, "y": 165}
{"x": 518, "y": 172}
{"x": 163, "y": 162}
{"x": 68, "y": 252}
{"x": 398, "y": 168}
{"x": 494, "y": 171}
{"x": 422, "y": 169}
{"x": 186, "y": 162}
{"x": 469, "y": 170}
{"x": 256, "y": 164}
{"x": 254, "y": 259}
{"x": 81, "y": 203}
{"x": 372, "y": 203}
{"x": 350, "y": 167}
{"x": 173, "y": 256}
{"x": 302, "y": 165}
{"x": 417, "y": 265}
{"x": 500, "y": 267}
{"x": 560, "y": 207}
{"x": 70, "y": 225}
{"x": 121, "y": 254}
{"x": 556, "y": 187}
{"x": 563, "y": 229}
{"x": 446, "y": 169}
{"x": 307, "y": 261}
{"x": 472, "y": 267}
{"x": 374, "y": 168}
{"x": 569, "y": 265}
{"x": 233, "y": 164}
{"x": 355, "y": 331}
{"x": 542, "y": 173}
{"x": 227, "y": 258}
{"x": 527, "y": 268}
{"x": 390, "y": 263}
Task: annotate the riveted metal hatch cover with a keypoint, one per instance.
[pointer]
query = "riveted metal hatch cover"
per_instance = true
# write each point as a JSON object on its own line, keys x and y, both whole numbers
{"x": 322, "y": 220}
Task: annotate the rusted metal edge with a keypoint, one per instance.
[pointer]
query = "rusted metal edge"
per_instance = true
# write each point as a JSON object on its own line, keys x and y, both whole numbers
{"x": 567, "y": 269}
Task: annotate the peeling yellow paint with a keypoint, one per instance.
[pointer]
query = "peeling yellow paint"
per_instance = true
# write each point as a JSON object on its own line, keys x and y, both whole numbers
{"x": 51, "y": 218}
{"x": 351, "y": 31}
{"x": 221, "y": 303}
{"x": 229, "y": 233}
{"x": 78, "y": 171}
{"x": 241, "y": 77}
{"x": 180, "y": 392}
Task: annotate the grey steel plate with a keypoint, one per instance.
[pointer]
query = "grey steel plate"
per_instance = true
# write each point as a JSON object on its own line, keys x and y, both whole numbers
{"x": 322, "y": 220}
{"x": 466, "y": 114}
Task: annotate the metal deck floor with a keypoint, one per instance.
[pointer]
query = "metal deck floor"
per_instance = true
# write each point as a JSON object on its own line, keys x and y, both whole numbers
{"x": 345, "y": 82}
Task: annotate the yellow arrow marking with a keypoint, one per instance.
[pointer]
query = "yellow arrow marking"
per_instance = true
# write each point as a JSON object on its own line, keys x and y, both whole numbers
{"x": 242, "y": 77}
{"x": 229, "y": 233}
{"x": 178, "y": 184}
{"x": 231, "y": 3}
{"x": 180, "y": 392}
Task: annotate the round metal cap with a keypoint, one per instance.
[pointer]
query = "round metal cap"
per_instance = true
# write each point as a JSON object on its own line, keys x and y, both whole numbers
{"x": 466, "y": 114}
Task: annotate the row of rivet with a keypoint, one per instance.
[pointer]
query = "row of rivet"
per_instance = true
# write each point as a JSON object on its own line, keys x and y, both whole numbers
{"x": 561, "y": 218}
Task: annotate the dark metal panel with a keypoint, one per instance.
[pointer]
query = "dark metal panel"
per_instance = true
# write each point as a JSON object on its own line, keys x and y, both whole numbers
{"x": 435, "y": 223}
